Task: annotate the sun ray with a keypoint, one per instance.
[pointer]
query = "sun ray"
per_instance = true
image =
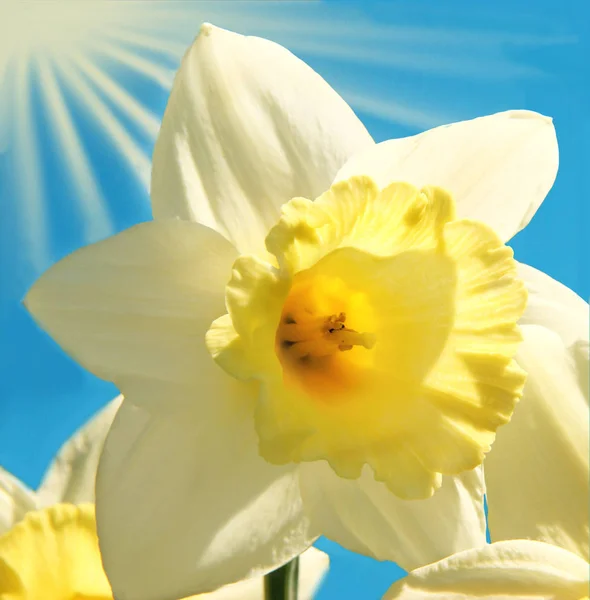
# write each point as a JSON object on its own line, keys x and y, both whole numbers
{"x": 394, "y": 111}
{"x": 128, "y": 148}
{"x": 30, "y": 183}
{"x": 137, "y": 113}
{"x": 88, "y": 48}
{"x": 172, "y": 50}
{"x": 161, "y": 75}
{"x": 455, "y": 64}
{"x": 97, "y": 222}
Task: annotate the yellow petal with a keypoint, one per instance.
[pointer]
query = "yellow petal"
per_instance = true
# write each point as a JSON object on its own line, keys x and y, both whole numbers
{"x": 355, "y": 213}
{"x": 53, "y": 554}
{"x": 513, "y": 570}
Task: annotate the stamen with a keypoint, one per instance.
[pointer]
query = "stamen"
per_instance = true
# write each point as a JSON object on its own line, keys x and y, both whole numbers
{"x": 309, "y": 339}
{"x": 347, "y": 338}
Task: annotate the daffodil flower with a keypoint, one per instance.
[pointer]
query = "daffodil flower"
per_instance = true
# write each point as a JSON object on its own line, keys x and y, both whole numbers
{"x": 53, "y": 554}
{"x": 70, "y": 478}
{"x": 314, "y": 329}
{"x": 48, "y": 542}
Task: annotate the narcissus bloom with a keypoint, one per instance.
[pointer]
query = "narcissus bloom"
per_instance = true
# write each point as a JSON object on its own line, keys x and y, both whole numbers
{"x": 70, "y": 477}
{"x": 300, "y": 358}
{"x": 383, "y": 336}
{"x": 53, "y": 554}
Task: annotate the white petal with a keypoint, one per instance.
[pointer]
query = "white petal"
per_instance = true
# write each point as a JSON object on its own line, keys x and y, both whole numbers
{"x": 313, "y": 565}
{"x": 554, "y": 306}
{"x": 138, "y": 305}
{"x": 248, "y": 126}
{"x": 16, "y": 500}
{"x": 364, "y": 516}
{"x": 515, "y": 570}
{"x": 498, "y": 168}
{"x": 184, "y": 502}
{"x": 537, "y": 471}
{"x": 71, "y": 475}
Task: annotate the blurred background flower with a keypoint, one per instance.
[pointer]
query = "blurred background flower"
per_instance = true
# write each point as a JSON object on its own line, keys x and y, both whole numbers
{"x": 83, "y": 87}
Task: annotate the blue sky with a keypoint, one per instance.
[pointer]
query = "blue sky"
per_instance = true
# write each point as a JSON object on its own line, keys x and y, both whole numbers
{"x": 77, "y": 130}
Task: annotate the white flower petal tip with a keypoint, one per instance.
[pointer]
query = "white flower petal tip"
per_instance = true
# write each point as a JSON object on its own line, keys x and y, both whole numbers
{"x": 499, "y": 168}
{"x": 206, "y": 29}
{"x": 248, "y": 126}
{"x": 16, "y": 500}
{"x": 512, "y": 570}
{"x": 524, "y": 114}
{"x": 71, "y": 476}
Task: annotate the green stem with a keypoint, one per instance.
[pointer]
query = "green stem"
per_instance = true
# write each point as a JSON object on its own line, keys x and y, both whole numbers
{"x": 282, "y": 584}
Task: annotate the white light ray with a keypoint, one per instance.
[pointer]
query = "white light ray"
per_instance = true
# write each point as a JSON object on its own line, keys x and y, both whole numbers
{"x": 394, "y": 111}
{"x": 7, "y": 102}
{"x": 349, "y": 25}
{"x": 137, "y": 113}
{"x": 78, "y": 42}
{"x": 353, "y": 27}
{"x": 97, "y": 222}
{"x": 160, "y": 75}
{"x": 172, "y": 50}
{"x": 130, "y": 151}
{"x": 30, "y": 183}
{"x": 458, "y": 65}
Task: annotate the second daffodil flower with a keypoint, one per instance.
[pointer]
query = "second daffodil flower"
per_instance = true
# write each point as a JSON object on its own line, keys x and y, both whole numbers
{"x": 300, "y": 358}
{"x": 48, "y": 543}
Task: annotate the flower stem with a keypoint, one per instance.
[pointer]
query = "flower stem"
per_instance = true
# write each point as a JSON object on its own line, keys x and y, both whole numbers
{"x": 282, "y": 584}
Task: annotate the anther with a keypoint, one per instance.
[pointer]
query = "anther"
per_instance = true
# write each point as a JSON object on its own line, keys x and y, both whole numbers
{"x": 336, "y": 330}
{"x": 308, "y": 340}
